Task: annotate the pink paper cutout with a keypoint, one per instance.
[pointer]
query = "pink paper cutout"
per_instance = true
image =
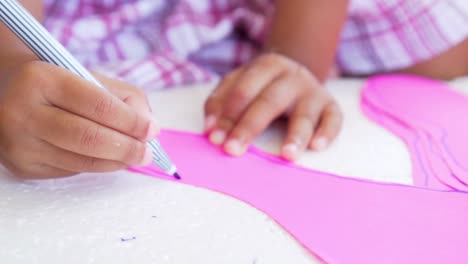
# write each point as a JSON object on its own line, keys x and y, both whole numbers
{"x": 428, "y": 170}
{"x": 338, "y": 219}
{"x": 427, "y": 107}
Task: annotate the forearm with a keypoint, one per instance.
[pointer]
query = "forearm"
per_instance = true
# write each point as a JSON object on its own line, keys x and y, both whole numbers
{"x": 12, "y": 50}
{"x": 308, "y": 31}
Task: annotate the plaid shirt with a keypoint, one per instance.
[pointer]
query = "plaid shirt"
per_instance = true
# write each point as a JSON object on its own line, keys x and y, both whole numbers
{"x": 386, "y": 35}
{"x": 155, "y": 43}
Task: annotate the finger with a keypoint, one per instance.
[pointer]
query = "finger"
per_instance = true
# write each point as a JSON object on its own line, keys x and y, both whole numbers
{"x": 82, "y": 136}
{"x": 249, "y": 84}
{"x": 37, "y": 172}
{"x": 134, "y": 97}
{"x": 302, "y": 123}
{"x": 43, "y": 171}
{"x": 70, "y": 161}
{"x": 328, "y": 128}
{"x": 141, "y": 104}
{"x": 214, "y": 103}
{"x": 137, "y": 103}
{"x": 84, "y": 99}
{"x": 273, "y": 101}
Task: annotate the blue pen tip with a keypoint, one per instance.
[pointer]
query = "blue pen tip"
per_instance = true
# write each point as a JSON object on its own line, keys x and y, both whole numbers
{"x": 177, "y": 176}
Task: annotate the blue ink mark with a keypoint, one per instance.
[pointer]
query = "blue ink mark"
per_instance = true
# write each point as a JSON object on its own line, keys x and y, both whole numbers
{"x": 127, "y": 239}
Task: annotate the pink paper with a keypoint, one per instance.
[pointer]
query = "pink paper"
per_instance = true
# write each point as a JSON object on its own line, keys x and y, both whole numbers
{"x": 338, "y": 219}
{"x": 429, "y": 108}
{"x": 428, "y": 169}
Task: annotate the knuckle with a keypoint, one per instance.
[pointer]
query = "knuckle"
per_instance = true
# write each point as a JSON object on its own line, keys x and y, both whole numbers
{"x": 90, "y": 137}
{"x": 104, "y": 107}
{"x": 270, "y": 100}
{"x": 241, "y": 95}
{"x": 87, "y": 164}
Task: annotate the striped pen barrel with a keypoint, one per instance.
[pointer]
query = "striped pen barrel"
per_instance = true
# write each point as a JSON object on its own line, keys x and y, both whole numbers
{"x": 48, "y": 49}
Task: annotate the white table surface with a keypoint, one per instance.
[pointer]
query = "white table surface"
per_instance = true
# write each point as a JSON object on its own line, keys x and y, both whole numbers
{"x": 83, "y": 219}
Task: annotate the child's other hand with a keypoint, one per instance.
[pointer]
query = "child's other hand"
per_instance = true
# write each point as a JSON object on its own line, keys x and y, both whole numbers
{"x": 54, "y": 124}
{"x": 248, "y": 99}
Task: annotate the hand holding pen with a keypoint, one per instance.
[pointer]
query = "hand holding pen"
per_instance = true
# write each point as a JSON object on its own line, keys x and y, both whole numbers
{"x": 54, "y": 123}
{"x": 59, "y": 121}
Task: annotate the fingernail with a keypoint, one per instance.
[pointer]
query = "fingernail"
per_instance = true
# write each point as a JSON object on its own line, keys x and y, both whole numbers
{"x": 218, "y": 137}
{"x": 320, "y": 143}
{"x": 234, "y": 147}
{"x": 210, "y": 121}
{"x": 291, "y": 151}
{"x": 148, "y": 158}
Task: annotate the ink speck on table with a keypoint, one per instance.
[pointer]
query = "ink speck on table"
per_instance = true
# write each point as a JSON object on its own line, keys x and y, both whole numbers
{"x": 127, "y": 239}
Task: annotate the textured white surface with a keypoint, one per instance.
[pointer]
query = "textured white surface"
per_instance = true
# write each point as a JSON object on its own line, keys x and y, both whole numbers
{"x": 84, "y": 219}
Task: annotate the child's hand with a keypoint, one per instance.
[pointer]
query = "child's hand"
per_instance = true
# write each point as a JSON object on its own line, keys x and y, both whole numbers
{"x": 248, "y": 99}
{"x": 53, "y": 123}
